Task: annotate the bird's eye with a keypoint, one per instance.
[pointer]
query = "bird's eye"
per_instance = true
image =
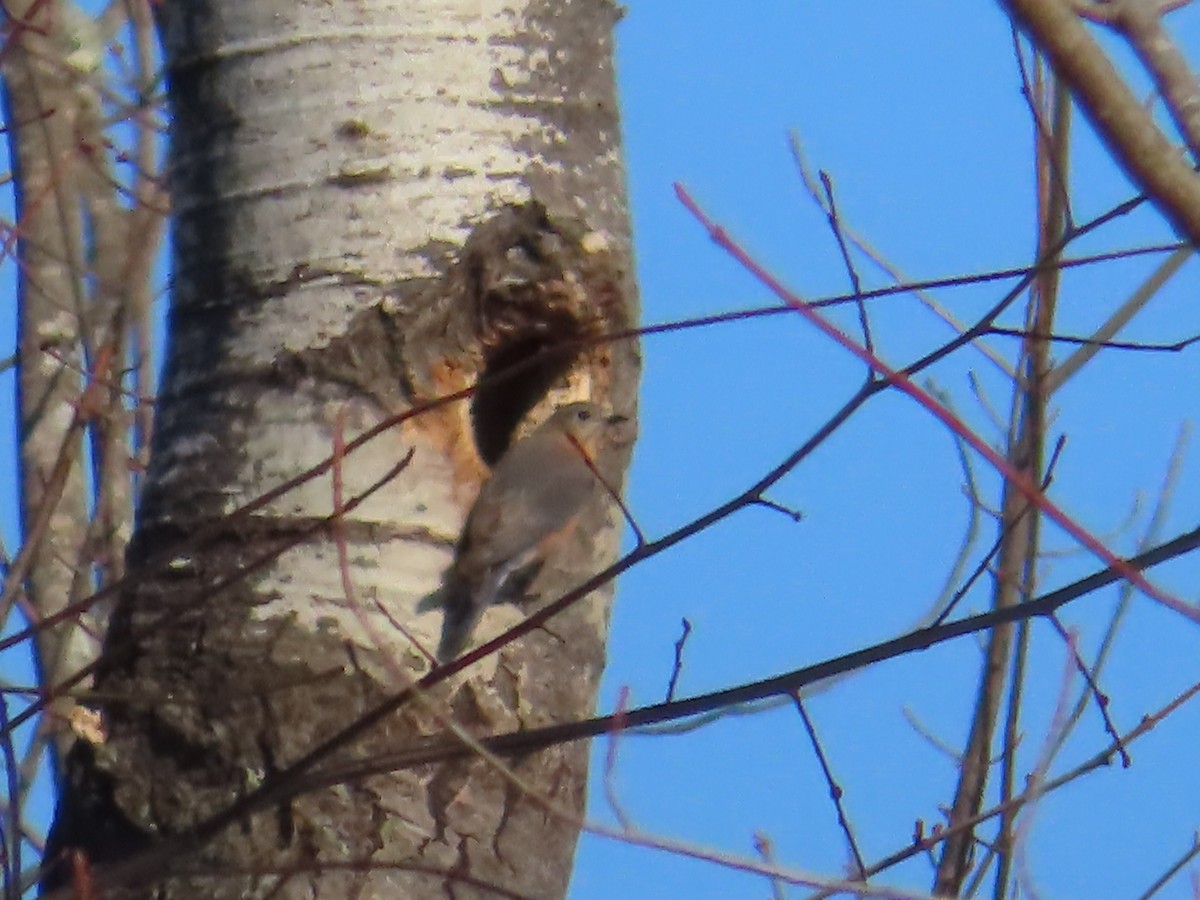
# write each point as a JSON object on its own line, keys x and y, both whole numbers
{"x": 583, "y": 415}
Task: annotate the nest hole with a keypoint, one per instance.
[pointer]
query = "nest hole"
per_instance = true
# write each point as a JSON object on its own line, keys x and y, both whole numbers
{"x": 516, "y": 376}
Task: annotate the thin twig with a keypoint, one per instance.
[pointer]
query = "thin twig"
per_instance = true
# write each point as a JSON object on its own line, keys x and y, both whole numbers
{"x": 1188, "y": 855}
{"x": 835, "y": 225}
{"x": 677, "y": 666}
{"x": 902, "y": 381}
{"x": 835, "y": 790}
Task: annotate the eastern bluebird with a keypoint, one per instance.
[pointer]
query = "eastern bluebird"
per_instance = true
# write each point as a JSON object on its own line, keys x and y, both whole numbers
{"x": 533, "y": 500}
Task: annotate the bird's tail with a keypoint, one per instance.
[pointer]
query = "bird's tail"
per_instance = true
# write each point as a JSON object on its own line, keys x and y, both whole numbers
{"x": 462, "y": 614}
{"x": 463, "y": 604}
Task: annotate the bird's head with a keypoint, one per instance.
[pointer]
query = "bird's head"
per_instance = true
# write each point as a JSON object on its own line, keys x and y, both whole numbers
{"x": 591, "y": 425}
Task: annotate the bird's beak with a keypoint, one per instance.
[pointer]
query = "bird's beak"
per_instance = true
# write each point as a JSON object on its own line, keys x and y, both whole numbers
{"x": 623, "y": 430}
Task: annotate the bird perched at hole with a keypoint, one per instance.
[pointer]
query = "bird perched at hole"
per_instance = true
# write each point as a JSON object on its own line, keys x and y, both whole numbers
{"x": 532, "y": 502}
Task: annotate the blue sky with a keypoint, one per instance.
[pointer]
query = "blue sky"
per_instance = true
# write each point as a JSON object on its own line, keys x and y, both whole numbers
{"x": 915, "y": 111}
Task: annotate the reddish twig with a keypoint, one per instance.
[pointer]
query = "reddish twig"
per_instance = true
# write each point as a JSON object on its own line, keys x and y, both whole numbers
{"x": 902, "y": 382}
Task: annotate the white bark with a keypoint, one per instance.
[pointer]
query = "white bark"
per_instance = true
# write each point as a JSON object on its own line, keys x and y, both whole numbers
{"x": 330, "y": 161}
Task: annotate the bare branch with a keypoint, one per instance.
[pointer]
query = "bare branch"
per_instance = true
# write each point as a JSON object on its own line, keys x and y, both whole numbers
{"x": 1125, "y": 126}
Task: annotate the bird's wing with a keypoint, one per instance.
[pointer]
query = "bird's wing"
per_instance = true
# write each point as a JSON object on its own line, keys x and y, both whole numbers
{"x": 536, "y": 490}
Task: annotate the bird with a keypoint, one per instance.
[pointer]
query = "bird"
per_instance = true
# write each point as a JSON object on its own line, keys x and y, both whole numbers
{"x": 531, "y": 503}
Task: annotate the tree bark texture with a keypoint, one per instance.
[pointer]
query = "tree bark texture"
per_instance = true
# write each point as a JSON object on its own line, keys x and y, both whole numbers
{"x": 377, "y": 204}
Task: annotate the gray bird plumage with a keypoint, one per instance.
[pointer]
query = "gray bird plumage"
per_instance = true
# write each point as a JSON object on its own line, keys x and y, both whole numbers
{"x": 534, "y": 497}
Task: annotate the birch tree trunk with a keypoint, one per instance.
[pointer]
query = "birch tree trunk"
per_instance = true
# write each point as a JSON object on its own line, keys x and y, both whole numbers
{"x": 376, "y": 205}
